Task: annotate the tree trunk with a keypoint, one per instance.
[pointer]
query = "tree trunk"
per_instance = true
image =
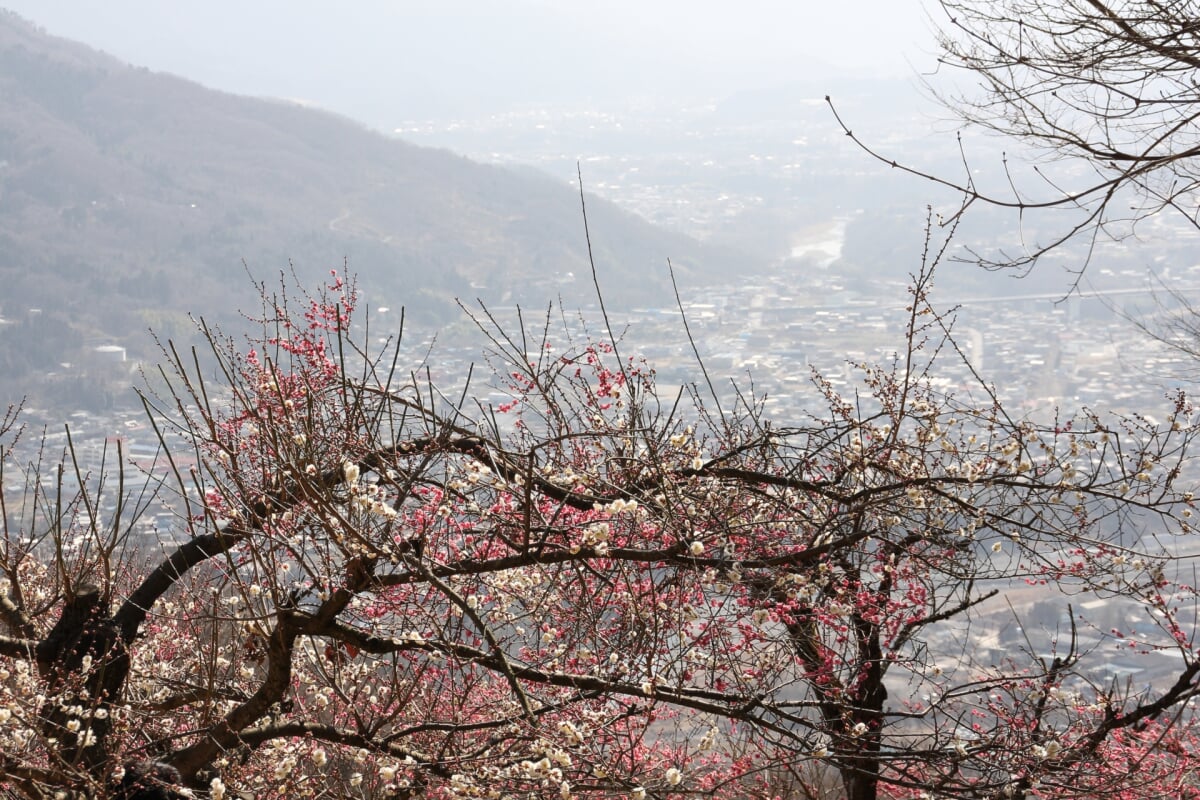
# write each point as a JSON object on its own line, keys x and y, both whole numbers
{"x": 85, "y": 664}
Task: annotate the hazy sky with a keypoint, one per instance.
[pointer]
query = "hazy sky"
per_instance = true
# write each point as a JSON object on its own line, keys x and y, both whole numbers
{"x": 384, "y": 61}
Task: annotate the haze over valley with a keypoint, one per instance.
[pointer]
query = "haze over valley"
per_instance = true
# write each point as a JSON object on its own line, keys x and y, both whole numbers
{"x": 675, "y": 376}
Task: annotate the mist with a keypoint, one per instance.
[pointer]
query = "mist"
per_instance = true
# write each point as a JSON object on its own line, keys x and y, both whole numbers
{"x": 380, "y": 62}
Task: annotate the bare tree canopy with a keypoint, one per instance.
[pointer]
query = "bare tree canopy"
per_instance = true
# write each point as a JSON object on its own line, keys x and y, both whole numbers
{"x": 1106, "y": 89}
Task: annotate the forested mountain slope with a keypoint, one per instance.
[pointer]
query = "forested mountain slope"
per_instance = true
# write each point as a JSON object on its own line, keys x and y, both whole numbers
{"x": 129, "y": 197}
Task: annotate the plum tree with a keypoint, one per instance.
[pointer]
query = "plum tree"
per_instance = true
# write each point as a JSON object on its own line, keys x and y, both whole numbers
{"x": 381, "y": 588}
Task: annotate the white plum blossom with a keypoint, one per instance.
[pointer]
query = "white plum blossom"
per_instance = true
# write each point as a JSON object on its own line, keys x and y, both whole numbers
{"x": 284, "y": 768}
{"x": 570, "y": 732}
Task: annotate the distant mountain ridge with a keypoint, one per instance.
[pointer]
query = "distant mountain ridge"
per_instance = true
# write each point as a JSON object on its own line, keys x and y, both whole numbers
{"x": 128, "y": 197}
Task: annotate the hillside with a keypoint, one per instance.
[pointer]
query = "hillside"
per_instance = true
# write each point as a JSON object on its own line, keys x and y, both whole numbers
{"x": 129, "y": 197}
